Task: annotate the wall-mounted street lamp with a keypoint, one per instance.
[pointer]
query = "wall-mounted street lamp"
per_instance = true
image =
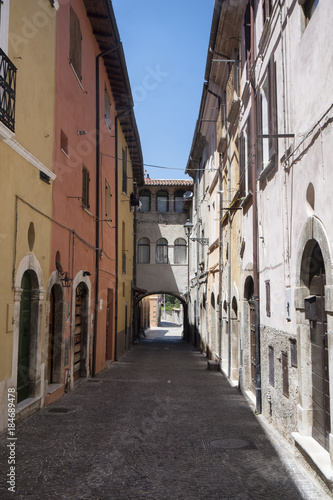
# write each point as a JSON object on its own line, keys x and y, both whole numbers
{"x": 188, "y": 227}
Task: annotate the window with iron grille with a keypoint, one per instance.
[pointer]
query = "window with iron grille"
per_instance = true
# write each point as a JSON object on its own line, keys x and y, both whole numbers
{"x": 7, "y": 91}
{"x": 85, "y": 187}
{"x": 75, "y": 47}
{"x": 124, "y": 163}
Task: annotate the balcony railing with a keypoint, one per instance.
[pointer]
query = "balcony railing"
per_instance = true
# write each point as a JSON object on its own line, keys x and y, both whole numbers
{"x": 7, "y": 91}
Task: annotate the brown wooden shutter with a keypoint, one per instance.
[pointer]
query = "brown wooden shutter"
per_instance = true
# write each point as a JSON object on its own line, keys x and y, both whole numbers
{"x": 75, "y": 43}
{"x": 85, "y": 187}
{"x": 268, "y": 297}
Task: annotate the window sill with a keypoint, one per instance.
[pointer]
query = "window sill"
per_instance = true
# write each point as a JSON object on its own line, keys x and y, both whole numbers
{"x": 66, "y": 154}
{"x": 268, "y": 169}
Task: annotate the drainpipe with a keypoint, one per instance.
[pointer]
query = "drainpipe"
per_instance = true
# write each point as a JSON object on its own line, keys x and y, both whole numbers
{"x": 198, "y": 262}
{"x": 229, "y": 249}
{"x": 97, "y": 224}
{"x": 220, "y": 259}
{"x": 255, "y": 223}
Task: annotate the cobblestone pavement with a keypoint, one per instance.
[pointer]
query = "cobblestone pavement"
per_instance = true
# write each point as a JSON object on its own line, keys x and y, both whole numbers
{"x": 151, "y": 428}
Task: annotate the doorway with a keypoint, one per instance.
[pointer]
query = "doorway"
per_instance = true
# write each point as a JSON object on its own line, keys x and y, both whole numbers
{"x": 23, "y": 362}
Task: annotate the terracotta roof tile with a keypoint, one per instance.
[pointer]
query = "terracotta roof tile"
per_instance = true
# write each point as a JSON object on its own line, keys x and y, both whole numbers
{"x": 168, "y": 182}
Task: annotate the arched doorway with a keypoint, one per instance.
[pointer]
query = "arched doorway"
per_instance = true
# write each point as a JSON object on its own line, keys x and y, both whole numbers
{"x": 234, "y": 339}
{"x": 81, "y": 364}
{"x": 251, "y": 334}
{"x": 23, "y": 360}
{"x": 55, "y": 336}
{"x": 314, "y": 269}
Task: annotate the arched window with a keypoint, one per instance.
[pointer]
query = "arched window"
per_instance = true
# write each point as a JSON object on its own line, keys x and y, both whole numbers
{"x": 144, "y": 251}
{"x": 179, "y": 201}
{"x": 162, "y": 201}
{"x": 180, "y": 251}
{"x": 162, "y": 251}
{"x": 144, "y": 197}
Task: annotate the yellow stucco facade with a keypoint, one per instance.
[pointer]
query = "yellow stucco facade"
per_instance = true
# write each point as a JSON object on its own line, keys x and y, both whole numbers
{"x": 25, "y": 198}
{"x": 125, "y": 228}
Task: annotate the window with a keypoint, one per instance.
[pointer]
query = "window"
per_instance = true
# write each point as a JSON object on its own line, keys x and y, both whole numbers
{"x": 266, "y": 9}
{"x": 213, "y": 221}
{"x": 162, "y": 201}
{"x": 75, "y": 44}
{"x": 123, "y": 247}
{"x": 162, "y": 251}
{"x": 268, "y": 298}
{"x": 124, "y": 170}
{"x": 247, "y": 36}
{"x": 108, "y": 196}
{"x": 179, "y": 201}
{"x": 180, "y": 251}
{"x": 245, "y": 174}
{"x": 85, "y": 187}
{"x": 271, "y": 365}
{"x": 63, "y": 142}
{"x": 309, "y": 6}
{"x": 268, "y": 117}
{"x": 145, "y": 200}
{"x": 107, "y": 109}
{"x": 144, "y": 251}
{"x": 285, "y": 377}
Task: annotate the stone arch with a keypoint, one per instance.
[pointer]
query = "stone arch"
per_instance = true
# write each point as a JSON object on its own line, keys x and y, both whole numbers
{"x": 55, "y": 318}
{"x": 313, "y": 239}
{"x": 247, "y": 349}
{"x": 29, "y": 265}
{"x": 81, "y": 283}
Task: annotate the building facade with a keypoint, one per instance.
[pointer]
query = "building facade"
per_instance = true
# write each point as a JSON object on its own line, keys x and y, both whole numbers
{"x": 28, "y": 32}
{"x": 265, "y": 127}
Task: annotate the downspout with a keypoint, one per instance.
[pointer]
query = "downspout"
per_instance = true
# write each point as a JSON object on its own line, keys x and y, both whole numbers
{"x": 229, "y": 249}
{"x": 97, "y": 223}
{"x": 255, "y": 222}
{"x": 220, "y": 259}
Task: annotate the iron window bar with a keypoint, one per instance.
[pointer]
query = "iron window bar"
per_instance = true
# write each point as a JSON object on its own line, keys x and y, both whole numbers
{"x": 7, "y": 91}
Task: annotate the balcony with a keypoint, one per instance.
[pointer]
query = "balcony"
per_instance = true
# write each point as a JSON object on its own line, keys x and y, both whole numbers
{"x": 7, "y": 91}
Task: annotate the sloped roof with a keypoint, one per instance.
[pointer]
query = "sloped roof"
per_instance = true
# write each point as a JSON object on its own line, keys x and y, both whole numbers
{"x": 168, "y": 182}
{"x": 104, "y": 26}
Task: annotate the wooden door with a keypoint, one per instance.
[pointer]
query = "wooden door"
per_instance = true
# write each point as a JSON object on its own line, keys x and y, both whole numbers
{"x": 253, "y": 347}
{"x": 319, "y": 350}
{"x": 51, "y": 340}
{"x": 109, "y": 351}
{"x": 24, "y": 340}
{"x": 78, "y": 337}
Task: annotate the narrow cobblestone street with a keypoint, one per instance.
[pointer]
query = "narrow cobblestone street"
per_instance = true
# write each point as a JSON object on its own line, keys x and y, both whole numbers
{"x": 145, "y": 429}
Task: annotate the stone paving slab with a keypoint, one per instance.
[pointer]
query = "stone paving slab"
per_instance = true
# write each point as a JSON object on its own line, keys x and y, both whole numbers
{"x": 146, "y": 429}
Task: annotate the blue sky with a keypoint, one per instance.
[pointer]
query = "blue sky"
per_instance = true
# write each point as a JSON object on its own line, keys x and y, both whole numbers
{"x": 165, "y": 45}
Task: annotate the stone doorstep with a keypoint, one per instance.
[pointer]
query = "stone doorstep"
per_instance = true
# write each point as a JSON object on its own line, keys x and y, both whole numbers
{"x": 316, "y": 456}
{"x": 213, "y": 365}
{"x": 27, "y": 407}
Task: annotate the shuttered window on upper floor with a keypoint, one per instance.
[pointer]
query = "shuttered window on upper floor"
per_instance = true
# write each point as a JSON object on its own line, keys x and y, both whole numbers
{"x": 85, "y": 187}
{"x": 75, "y": 49}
